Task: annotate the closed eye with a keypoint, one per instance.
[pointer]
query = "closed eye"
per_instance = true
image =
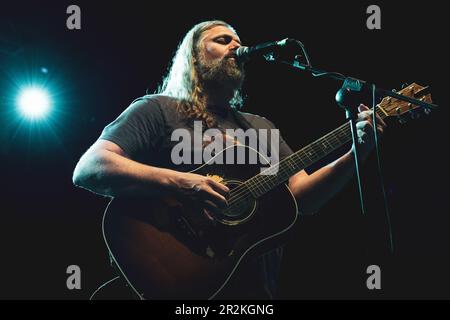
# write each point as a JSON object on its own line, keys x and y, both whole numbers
{"x": 223, "y": 39}
{"x": 226, "y": 39}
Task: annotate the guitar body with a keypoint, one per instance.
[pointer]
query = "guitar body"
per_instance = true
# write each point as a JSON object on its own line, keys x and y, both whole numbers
{"x": 170, "y": 248}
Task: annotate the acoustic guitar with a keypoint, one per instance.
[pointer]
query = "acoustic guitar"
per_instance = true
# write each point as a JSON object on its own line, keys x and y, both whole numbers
{"x": 173, "y": 248}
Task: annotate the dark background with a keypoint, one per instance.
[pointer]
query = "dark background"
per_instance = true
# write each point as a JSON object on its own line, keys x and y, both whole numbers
{"x": 124, "y": 48}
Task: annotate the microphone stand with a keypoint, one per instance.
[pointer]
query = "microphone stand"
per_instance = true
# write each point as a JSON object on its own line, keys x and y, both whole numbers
{"x": 346, "y": 98}
{"x": 355, "y": 84}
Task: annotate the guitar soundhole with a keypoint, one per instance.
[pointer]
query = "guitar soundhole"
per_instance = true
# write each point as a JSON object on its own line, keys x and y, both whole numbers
{"x": 241, "y": 205}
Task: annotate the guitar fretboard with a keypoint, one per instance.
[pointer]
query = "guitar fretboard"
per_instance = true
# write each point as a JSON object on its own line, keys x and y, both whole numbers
{"x": 303, "y": 158}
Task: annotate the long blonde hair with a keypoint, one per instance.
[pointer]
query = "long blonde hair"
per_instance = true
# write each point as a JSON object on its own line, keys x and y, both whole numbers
{"x": 182, "y": 80}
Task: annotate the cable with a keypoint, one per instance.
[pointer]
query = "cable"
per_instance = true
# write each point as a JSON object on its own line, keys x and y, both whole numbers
{"x": 98, "y": 289}
{"x": 380, "y": 172}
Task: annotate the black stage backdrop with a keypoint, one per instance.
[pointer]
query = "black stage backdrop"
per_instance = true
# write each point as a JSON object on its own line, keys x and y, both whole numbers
{"x": 123, "y": 48}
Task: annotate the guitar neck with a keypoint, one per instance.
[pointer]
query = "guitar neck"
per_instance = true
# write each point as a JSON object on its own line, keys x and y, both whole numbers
{"x": 303, "y": 158}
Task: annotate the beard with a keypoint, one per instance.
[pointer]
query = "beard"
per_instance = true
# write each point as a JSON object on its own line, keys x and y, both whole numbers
{"x": 224, "y": 74}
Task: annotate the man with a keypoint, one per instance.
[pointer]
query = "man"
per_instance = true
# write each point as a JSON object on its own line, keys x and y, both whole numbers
{"x": 133, "y": 154}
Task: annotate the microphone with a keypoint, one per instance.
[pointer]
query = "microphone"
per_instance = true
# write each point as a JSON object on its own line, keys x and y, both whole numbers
{"x": 243, "y": 53}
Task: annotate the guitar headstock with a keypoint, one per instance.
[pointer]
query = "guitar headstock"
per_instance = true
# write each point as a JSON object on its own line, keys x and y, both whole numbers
{"x": 394, "y": 107}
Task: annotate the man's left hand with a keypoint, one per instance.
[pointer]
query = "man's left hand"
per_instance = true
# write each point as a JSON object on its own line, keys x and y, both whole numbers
{"x": 364, "y": 126}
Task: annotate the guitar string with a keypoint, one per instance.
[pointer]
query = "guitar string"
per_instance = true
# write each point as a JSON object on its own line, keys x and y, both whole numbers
{"x": 342, "y": 131}
{"x": 245, "y": 188}
{"x": 287, "y": 168}
{"x": 268, "y": 181}
{"x": 310, "y": 149}
{"x": 247, "y": 185}
{"x": 237, "y": 202}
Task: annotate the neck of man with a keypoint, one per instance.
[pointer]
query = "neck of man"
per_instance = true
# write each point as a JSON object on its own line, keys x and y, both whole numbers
{"x": 219, "y": 99}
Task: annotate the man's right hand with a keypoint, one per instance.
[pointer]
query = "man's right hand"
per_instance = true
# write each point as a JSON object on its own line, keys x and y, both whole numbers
{"x": 200, "y": 188}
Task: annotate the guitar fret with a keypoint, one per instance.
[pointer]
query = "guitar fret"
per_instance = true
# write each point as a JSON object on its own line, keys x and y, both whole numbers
{"x": 341, "y": 136}
{"x": 310, "y": 154}
{"x": 262, "y": 183}
{"x": 318, "y": 150}
{"x": 294, "y": 163}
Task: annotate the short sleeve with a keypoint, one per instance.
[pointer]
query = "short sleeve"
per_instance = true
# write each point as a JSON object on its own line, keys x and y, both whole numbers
{"x": 284, "y": 149}
{"x": 139, "y": 129}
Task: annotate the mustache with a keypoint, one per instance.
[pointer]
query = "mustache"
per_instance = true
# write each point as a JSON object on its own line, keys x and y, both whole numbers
{"x": 223, "y": 69}
{"x": 237, "y": 63}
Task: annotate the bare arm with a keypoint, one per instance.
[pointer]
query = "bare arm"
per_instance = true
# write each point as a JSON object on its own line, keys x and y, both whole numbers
{"x": 315, "y": 190}
{"x": 107, "y": 170}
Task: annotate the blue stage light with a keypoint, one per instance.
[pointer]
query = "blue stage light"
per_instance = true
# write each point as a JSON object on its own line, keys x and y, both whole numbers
{"x": 34, "y": 102}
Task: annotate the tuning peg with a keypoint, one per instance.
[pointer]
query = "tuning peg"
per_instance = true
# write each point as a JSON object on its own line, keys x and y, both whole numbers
{"x": 404, "y": 85}
{"x": 427, "y": 111}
